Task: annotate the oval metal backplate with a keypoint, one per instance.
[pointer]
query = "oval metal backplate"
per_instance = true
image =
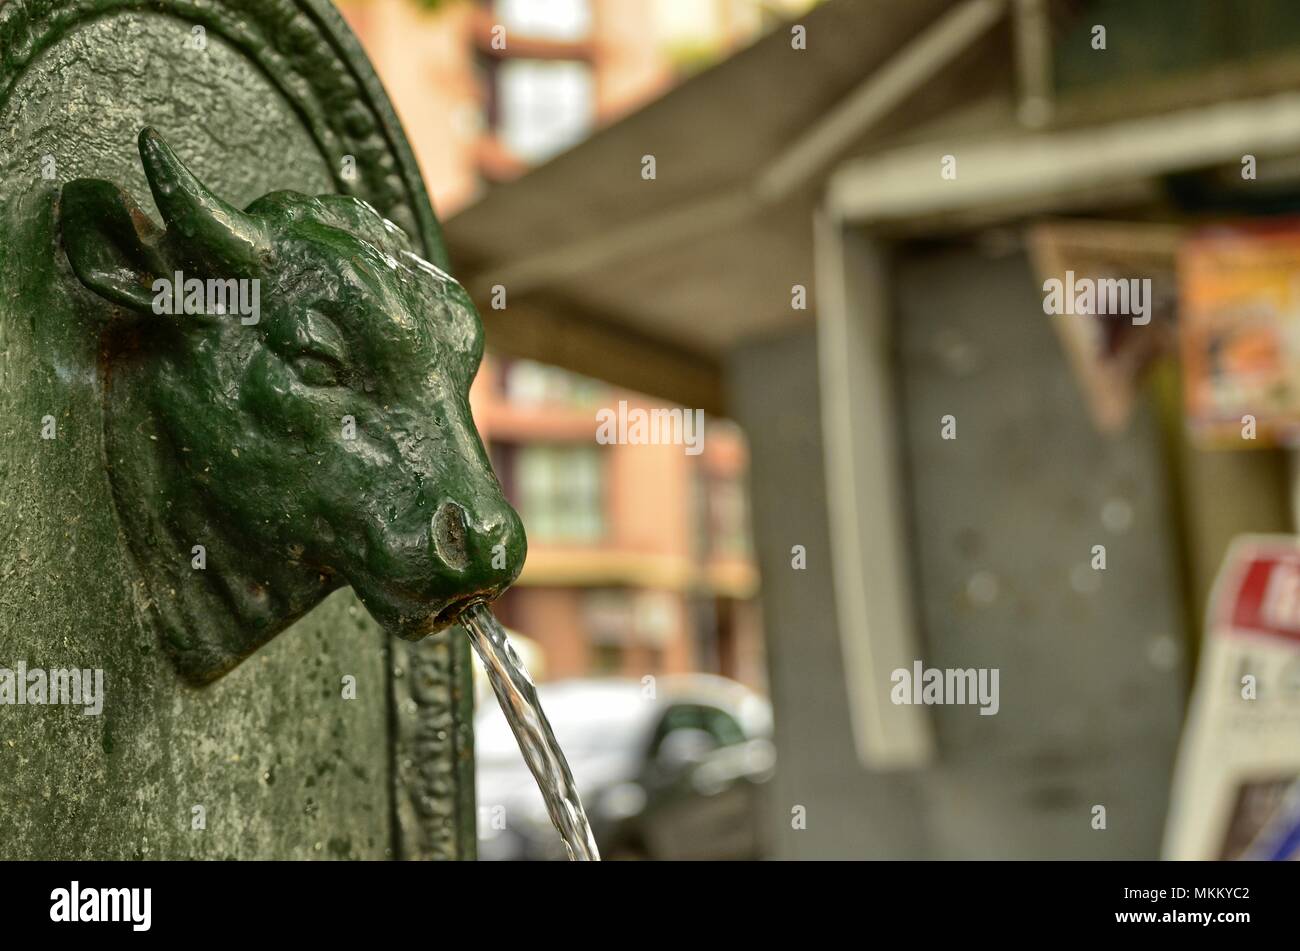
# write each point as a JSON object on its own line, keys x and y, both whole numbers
{"x": 261, "y": 95}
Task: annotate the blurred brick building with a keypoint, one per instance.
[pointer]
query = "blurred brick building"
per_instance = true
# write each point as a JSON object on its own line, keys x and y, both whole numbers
{"x": 639, "y": 558}
{"x": 488, "y": 89}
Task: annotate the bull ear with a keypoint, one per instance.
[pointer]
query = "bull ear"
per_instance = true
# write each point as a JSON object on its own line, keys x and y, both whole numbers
{"x": 111, "y": 243}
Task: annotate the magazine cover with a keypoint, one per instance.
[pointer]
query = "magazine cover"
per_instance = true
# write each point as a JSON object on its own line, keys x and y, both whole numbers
{"x": 1239, "y": 326}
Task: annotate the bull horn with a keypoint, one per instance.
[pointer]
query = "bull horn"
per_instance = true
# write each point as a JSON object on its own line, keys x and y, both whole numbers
{"x": 194, "y": 215}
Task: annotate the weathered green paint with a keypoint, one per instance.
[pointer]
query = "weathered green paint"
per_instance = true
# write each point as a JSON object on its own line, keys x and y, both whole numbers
{"x": 281, "y": 763}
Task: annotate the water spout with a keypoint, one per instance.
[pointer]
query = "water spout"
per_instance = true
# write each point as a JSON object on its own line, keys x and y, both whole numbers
{"x": 518, "y": 698}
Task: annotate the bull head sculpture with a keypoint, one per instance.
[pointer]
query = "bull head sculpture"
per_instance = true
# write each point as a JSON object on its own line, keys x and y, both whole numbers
{"x": 262, "y": 457}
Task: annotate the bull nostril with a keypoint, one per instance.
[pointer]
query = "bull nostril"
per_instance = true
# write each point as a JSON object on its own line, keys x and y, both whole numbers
{"x": 449, "y": 533}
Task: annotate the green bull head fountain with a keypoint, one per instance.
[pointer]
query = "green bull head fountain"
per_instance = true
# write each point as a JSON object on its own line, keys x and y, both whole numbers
{"x": 231, "y": 411}
{"x": 263, "y": 456}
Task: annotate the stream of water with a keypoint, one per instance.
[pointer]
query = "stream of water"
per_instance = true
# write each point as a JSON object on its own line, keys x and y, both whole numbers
{"x": 518, "y": 698}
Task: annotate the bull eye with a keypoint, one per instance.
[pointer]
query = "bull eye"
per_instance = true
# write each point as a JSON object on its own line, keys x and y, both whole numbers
{"x": 315, "y": 369}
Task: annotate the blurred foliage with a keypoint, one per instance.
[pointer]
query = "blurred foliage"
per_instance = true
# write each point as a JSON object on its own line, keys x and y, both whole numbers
{"x": 689, "y": 58}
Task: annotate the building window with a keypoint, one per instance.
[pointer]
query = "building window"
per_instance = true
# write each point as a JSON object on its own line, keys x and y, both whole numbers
{"x": 728, "y": 517}
{"x": 561, "y": 492}
{"x": 544, "y": 106}
{"x": 628, "y": 629}
{"x": 621, "y": 616}
{"x": 529, "y": 383}
{"x": 722, "y": 528}
{"x": 546, "y": 19}
{"x": 606, "y": 660}
{"x": 607, "y": 615}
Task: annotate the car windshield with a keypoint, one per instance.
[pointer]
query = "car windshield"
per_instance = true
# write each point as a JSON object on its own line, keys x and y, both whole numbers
{"x": 588, "y": 720}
